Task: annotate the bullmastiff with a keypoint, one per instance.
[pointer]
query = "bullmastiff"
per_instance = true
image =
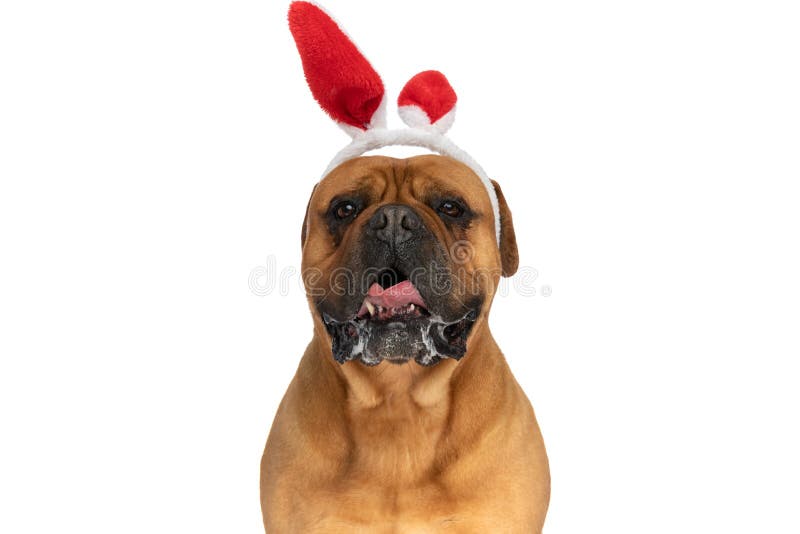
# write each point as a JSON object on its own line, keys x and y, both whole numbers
{"x": 403, "y": 416}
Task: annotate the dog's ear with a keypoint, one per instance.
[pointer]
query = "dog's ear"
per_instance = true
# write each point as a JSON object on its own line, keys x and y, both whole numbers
{"x": 305, "y": 220}
{"x": 509, "y": 256}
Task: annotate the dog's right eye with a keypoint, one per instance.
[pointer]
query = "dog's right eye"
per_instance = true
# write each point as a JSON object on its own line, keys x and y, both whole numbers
{"x": 344, "y": 210}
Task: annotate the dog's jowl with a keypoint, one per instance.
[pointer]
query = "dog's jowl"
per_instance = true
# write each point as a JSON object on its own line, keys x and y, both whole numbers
{"x": 403, "y": 415}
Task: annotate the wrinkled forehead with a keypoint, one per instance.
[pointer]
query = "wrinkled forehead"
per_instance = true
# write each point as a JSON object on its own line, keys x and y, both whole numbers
{"x": 382, "y": 177}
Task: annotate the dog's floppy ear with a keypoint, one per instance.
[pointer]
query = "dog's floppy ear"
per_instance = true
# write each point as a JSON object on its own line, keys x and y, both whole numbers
{"x": 509, "y": 256}
{"x": 305, "y": 219}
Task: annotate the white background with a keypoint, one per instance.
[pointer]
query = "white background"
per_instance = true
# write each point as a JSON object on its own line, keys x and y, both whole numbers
{"x": 154, "y": 153}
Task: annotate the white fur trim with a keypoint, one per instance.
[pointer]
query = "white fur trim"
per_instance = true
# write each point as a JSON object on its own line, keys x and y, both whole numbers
{"x": 379, "y": 116}
{"x": 446, "y": 121}
{"x": 414, "y": 116}
{"x": 426, "y": 138}
{"x": 352, "y": 131}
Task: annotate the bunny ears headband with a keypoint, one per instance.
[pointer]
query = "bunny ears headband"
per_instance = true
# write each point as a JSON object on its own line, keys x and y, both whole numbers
{"x": 351, "y": 92}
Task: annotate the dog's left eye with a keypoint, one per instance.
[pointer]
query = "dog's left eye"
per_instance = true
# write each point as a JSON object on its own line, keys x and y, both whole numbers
{"x": 344, "y": 210}
{"x": 451, "y": 208}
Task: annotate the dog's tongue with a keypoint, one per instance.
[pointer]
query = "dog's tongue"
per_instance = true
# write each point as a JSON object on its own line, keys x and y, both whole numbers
{"x": 396, "y": 296}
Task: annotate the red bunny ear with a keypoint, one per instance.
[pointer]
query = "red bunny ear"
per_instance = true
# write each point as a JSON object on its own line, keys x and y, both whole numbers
{"x": 340, "y": 77}
{"x": 428, "y": 99}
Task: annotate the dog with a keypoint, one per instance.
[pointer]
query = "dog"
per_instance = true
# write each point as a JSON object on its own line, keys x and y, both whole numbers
{"x": 403, "y": 415}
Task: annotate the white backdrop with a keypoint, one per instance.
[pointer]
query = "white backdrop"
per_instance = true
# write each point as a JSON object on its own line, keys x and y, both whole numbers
{"x": 154, "y": 154}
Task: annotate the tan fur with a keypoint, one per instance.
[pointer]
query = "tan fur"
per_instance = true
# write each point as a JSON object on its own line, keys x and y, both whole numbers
{"x": 405, "y": 448}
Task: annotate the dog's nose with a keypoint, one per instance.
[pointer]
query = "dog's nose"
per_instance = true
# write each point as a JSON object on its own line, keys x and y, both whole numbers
{"x": 394, "y": 223}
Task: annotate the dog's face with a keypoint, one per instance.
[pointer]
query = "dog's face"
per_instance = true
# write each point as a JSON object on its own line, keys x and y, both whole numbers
{"x": 400, "y": 257}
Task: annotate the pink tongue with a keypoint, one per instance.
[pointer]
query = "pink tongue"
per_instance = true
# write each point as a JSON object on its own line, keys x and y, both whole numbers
{"x": 398, "y": 295}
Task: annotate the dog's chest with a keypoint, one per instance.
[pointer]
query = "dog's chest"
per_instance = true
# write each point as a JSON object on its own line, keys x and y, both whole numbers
{"x": 398, "y": 480}
{"x": 390, "y": 480}
{"x": 366, "y": 509}
{"x": 422, "y": 510}
{"x": 382, "y": 505}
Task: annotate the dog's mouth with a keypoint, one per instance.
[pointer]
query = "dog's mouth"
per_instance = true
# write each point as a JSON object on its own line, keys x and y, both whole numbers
{"x": 399, "y": 301}
{"x": 394, "y": 323}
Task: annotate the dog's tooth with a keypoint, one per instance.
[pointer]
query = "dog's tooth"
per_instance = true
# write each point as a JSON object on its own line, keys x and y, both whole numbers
{"x": 411, "y": 307}
{"x": 370, "y": 307}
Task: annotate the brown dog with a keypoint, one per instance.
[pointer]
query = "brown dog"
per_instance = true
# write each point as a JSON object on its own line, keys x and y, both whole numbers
{"x": 401, "y": 263}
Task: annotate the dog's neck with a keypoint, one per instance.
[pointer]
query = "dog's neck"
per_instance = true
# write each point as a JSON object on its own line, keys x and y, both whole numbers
{"x": 386, "y": 384}
{"x": 390, "y": 406}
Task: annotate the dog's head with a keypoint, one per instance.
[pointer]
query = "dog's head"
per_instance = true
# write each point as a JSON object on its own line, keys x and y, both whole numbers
{"x": 401, "y": 259}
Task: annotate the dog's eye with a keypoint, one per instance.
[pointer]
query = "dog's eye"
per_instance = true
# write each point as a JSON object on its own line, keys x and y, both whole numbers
{"x": 451, "y": 208}
{"x": 344, "y": 210}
